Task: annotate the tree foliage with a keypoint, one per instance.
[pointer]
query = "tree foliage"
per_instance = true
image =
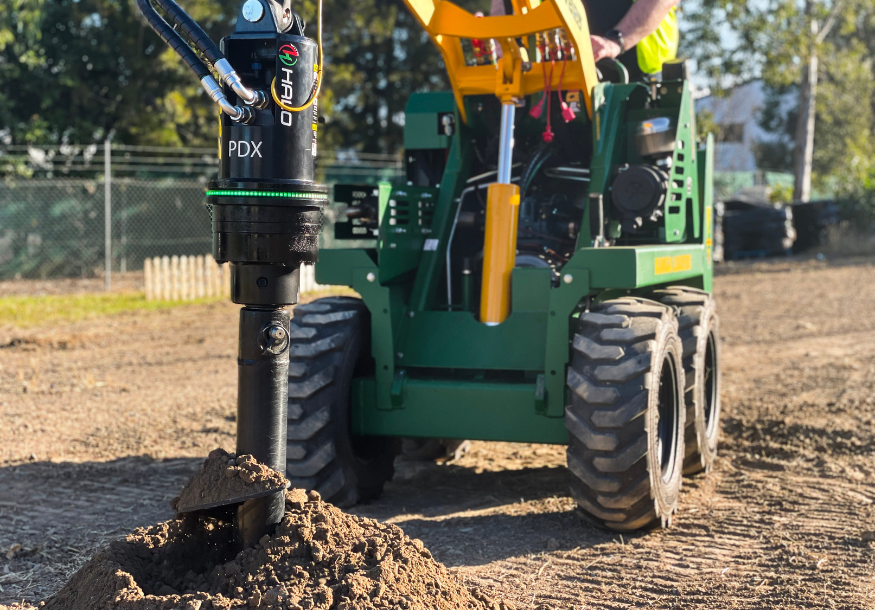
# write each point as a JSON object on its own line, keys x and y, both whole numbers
{"x": 771, "y": 39}
{"x": 79, "y": 70}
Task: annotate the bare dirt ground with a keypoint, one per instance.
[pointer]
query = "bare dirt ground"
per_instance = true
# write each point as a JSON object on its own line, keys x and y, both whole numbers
{"x": 101, "y": 422}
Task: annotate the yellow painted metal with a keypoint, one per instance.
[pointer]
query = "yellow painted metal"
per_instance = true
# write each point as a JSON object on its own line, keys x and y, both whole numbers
{"x": 447, "y": 24}
{"x": 499, "y": 251}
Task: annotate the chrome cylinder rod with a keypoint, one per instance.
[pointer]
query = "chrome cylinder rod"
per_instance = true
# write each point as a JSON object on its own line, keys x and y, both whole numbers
{"x": 505, "y": 144}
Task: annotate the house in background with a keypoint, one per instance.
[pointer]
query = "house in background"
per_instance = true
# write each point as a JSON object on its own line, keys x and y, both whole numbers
{"x": 737, "y": 112}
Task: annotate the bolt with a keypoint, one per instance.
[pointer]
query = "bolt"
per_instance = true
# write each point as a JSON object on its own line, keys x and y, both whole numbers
{"x": 411, "y": 314}
{"x": 567, "y": 278}
{"x": 261, "y": 282}
{"x": 371, "y": 277}
{"x": 400, "y": 355}
{"x": 278, "y": 333}
{"x": 253, "y": 11}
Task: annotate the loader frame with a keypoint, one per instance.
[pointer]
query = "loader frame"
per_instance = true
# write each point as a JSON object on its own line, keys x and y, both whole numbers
{"x": 442, "y": 373}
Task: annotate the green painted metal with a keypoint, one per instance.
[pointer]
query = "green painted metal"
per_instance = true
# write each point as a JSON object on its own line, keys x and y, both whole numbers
{"x": 609, "y": 103}
{"x": 440, "y": 373}
{"x": 706, "y": 198}
{"x": 452, "y": 408}
{"x": 405, "y": 217}
{"x": 422, "y": 129}
{"x": 358, "y": 270}
{"x": 633, "y": 267}
{"x": 680, "y": 206}
{"x": 433, "y": 259}
{"x": 455, "y": 339}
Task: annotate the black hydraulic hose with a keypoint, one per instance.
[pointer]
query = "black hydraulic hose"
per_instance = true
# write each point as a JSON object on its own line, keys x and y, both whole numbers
{"x": 544, "y": 152}
{"x": 194, "y": 32}
{"x": 169, "y": 35}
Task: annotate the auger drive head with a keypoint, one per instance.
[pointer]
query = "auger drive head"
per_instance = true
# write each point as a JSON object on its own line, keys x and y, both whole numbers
{"x": 265, "y": 206}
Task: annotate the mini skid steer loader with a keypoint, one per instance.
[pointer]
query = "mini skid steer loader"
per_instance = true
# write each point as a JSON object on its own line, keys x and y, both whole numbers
{"x": 543, "y": 275}
{"x": 523, "y": 284}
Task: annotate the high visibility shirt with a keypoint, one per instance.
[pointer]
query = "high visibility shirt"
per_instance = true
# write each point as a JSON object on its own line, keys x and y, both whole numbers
{"x": 652, "y": 51}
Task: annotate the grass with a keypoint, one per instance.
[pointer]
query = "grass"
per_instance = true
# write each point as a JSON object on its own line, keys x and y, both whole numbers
{"x": 33, "y": 311}
{"x": 30, "y": 311}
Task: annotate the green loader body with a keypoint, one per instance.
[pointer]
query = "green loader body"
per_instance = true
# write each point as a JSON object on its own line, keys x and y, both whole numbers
{"x": 437, "y": 371}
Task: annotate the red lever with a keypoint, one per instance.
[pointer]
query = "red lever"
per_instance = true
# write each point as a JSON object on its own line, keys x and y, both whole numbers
{"x": 567, "y": 113}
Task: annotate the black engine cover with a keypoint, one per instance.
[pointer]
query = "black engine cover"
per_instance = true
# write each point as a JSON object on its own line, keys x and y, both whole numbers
{"x": 639, "y": 191}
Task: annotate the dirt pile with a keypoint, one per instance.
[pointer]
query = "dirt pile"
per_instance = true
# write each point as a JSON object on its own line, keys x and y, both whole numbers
{"x": 225, "y": 476}
{"x": 318, "y": 558}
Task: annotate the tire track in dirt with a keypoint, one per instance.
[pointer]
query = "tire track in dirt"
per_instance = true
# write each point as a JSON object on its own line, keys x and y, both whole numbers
{"x": 61, "y": 513}
{"x": 779, "y": 524}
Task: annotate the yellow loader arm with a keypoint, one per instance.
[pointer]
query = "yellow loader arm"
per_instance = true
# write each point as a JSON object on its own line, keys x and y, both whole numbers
{"x": 447, "y": 24}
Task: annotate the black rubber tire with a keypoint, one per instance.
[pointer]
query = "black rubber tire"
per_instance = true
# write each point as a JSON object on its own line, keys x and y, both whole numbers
{"x": 626, "y": 418}
{"x": 329, "y": 338}
{"x": 699, "y": 330}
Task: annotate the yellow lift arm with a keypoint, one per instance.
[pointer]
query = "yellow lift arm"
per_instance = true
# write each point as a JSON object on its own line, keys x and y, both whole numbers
{"x": 447, "y": 24}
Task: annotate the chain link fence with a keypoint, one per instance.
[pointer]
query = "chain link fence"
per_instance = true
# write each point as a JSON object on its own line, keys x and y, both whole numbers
{"x": 54, "y": 203}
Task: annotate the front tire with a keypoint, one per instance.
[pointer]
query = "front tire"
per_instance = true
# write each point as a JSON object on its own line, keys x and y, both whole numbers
{"x": 329, "y": 344}
{"x": 626, "y": 418}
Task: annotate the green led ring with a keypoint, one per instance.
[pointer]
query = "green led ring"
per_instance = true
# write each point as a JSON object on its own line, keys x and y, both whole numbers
{"x": 293, "y": 195}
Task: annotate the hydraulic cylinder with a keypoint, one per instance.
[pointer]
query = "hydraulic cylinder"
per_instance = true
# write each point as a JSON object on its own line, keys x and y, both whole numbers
{"x": 502, "y": 216}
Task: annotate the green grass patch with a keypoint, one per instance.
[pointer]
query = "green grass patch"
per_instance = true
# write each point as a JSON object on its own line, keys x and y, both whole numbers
{"x": 29, "y": 311}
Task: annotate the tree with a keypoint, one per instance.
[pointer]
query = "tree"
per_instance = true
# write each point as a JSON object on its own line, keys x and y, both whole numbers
{"x": 79, "y": 70}
{"x": 376, "y": 55}
{"x": 95, "y": 68}
{"x": 821, "y": 48}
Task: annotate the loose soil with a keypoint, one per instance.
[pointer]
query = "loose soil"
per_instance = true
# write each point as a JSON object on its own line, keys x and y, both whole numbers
{"x": 224, "y": 478}
{"x": 100, "y": 431}
{"x": 318, "y": 558}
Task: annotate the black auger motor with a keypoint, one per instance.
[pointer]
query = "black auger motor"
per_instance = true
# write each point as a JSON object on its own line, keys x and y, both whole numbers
{"x": 265, "y": 205}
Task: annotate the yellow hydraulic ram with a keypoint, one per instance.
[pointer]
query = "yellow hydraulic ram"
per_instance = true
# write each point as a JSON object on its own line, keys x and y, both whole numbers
{"x": 447, "y": 24}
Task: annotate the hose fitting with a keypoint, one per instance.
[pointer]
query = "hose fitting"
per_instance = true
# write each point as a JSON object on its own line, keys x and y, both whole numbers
{"x": 232, "y": 79}
{"x": 239, "y": 114}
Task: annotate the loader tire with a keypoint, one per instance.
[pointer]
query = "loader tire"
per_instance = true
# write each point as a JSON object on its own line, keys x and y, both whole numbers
{"x": 328, "y": 336}
{"x": 626, "y": 417}
{"x": 699, "y": 330}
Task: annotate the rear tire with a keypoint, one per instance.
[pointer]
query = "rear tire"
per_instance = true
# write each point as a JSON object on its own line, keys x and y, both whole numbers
{"x": 626, "y": 418}
{"x": 699, "y": 330}
{"x": 328, "y": 339}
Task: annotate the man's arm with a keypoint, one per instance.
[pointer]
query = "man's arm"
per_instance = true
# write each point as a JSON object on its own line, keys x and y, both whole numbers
{"x": 639, "y": 23}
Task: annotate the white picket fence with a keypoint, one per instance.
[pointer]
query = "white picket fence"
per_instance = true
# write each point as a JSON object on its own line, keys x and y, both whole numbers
{"x": 186, "y": 278}
{"x": 308, "y": 280}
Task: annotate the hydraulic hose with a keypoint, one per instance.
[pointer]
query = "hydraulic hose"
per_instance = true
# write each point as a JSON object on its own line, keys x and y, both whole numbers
{"x": 210, "y": 49}
{"x": 543, "y": 152}
{"x": 191, "y": 29}
{"x": 174, "y": 40}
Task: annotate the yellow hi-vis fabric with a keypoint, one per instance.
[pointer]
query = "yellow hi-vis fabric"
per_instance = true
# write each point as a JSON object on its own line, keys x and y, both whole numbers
{"x": 661, "y": 46}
